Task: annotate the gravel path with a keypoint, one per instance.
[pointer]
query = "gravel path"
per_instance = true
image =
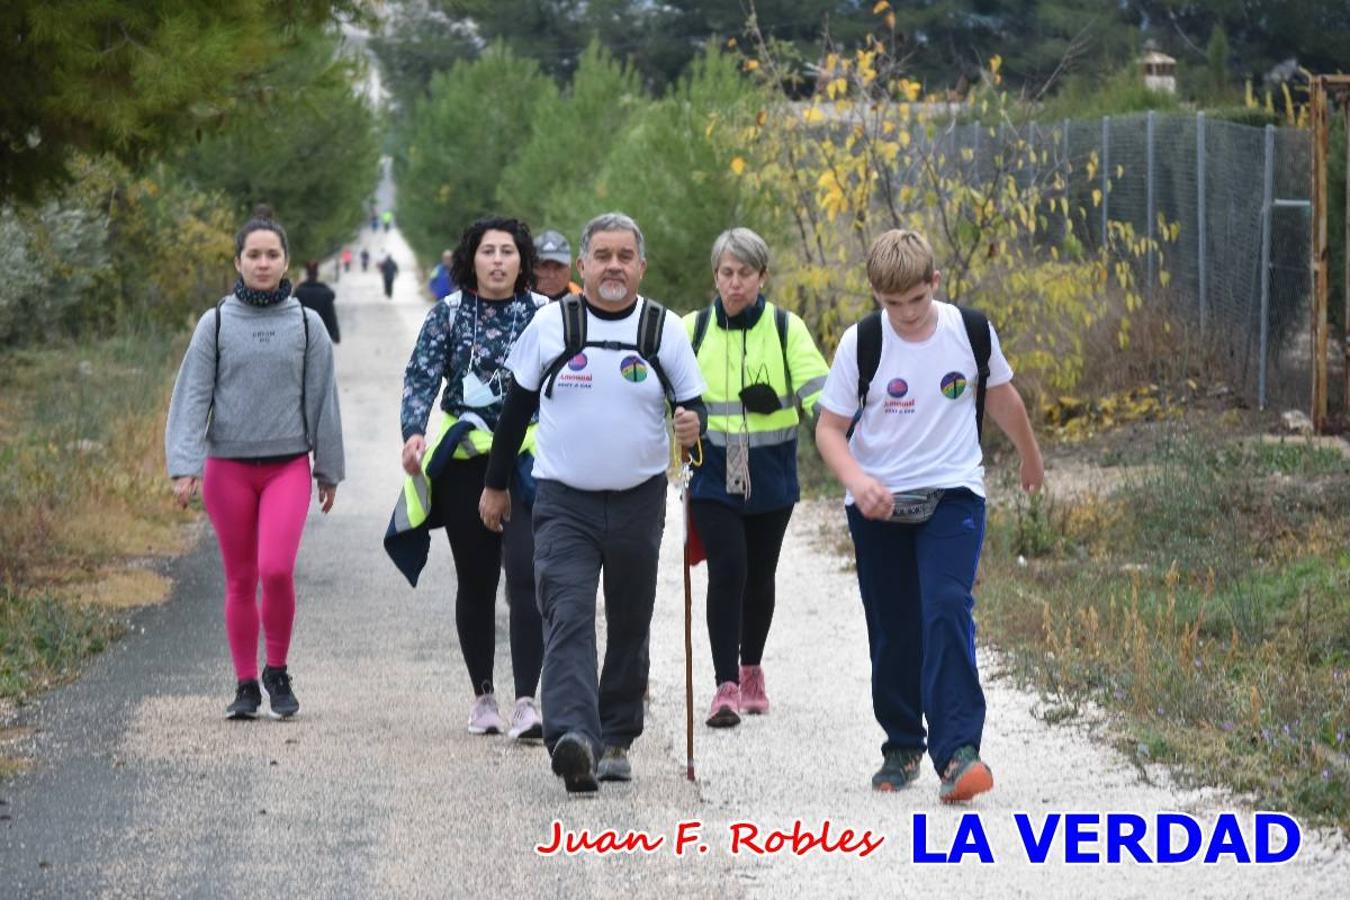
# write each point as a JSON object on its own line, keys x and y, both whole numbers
{"x": 142, "y": 789}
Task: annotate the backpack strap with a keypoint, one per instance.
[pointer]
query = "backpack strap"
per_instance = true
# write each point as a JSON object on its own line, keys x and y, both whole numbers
{"x": 701, "y": 328}
{"x": 574, "y": 338}
{"x": 304, "y": 377}
{"x": 869, "y": 354}
{"x": 651, "y": 325}
{"x": 977, "y": 332}
{"x": 780, "y": 319}
{"x": 215, "y": 378}
{"x": 869, "y": 357}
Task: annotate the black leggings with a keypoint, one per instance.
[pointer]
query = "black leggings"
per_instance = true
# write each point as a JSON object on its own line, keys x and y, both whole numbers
{"x": 478, "y": 557}
{"x": 742, "y": 561}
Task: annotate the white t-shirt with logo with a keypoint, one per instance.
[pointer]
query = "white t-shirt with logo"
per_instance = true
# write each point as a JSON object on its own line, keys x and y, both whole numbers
{"x": 918, "y": 429}
{"x": 604, "y": 428}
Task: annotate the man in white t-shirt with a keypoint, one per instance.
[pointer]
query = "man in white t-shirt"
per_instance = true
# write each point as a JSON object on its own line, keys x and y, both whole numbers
{"x": 600, "y": 461}
{"x": 914, "y": 475}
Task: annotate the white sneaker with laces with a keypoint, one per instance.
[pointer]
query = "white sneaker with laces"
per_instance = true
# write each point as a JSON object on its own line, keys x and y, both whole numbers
{"x": 484, "y": 717}
{"x": 526, "y": 724}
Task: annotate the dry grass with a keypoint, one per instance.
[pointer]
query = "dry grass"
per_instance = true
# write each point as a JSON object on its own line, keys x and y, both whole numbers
{"x": 1207, "y": 602}
{"x": 12, "y": 761}
{"x": 84, "y": 506}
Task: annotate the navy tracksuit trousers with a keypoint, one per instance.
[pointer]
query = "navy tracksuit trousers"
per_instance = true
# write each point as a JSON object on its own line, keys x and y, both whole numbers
{"x": 916, "y": 583}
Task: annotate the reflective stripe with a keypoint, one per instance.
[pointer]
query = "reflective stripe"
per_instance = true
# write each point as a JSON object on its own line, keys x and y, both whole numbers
{"x": 815, "y": 384}
{"x": 422, "y": 486}
{"x": 401, "y": 520}
{"x": 756, "y": 438}
{"x": 734, "y": 408}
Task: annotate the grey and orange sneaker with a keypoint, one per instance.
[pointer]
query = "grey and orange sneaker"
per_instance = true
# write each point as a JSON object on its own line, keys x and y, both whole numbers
{"x": 898, "y": 768}
{"x": 965, "y": 776}
{"x": 754, "y": 701}
{"x": 727, "y": 700}
{"x": 614, "y": 765}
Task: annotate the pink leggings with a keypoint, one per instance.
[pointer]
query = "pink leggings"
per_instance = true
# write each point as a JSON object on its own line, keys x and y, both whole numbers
{"x": 258, "y": 511}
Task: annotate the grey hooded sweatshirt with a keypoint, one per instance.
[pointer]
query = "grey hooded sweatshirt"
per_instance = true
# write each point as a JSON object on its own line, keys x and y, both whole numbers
{"x": 257, "y": 391}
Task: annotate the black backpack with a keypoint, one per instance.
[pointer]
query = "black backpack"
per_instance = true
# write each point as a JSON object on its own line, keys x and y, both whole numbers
{"x": 869, "y": 357}
{"x": 651, "y": 321}
{"x": 780, "y": 320}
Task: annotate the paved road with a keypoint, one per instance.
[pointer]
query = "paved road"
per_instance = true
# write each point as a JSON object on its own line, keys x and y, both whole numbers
{"x": 143, "y": 790}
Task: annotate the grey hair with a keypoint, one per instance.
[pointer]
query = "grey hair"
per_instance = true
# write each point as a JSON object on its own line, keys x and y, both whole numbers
{"x": 743, "y": 244}
{"x": 612, "y": 221}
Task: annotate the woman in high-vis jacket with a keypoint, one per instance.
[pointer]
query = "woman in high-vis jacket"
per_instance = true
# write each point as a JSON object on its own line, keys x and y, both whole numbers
{"x": 463, "y": 345}
{"x": 763, "y": 372}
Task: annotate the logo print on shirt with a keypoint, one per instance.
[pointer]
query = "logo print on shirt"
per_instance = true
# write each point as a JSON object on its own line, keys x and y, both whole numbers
{"x": 953, "y": 385}
{"x": 578, "y": 362}
{"x": 897, "y": 387}
{"x": 633, "y": 369}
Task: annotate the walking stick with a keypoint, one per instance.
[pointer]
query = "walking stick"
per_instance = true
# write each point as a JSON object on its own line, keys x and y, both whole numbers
{"x": 688, "y": 621}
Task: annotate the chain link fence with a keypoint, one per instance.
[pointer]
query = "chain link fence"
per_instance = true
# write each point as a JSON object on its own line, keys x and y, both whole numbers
{"x": 1237, "y": 263}
{"x": 1228, "y": 207}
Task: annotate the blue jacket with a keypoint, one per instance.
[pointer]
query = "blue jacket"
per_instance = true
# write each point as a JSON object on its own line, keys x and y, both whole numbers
{"x": 441, "y": 284}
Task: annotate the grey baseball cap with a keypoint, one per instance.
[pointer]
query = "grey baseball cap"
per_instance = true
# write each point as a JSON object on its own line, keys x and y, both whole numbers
{"x": 552, "y": 246}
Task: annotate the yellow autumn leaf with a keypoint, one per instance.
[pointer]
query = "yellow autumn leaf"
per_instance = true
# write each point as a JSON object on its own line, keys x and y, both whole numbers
{"x": 737, "y": 165}
{"x": 751, "y": 65}
{"x": 880, "y": 8}
{"x": 813, "y": 115}
{"x": 889, "y": 21}
{"x": 1096, "y": 197}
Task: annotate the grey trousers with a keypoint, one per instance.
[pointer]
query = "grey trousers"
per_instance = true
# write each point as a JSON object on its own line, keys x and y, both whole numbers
{"x": 577, "y": 536}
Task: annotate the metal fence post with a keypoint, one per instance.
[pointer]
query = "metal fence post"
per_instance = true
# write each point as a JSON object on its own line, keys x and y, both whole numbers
{"x": 1106, "y": 187}
{"x": 1150, "y": 231}
{"x": 1267, "y": 201}
{"x": 975, "y": 151}
{"x": 1202, "y": 230}
{"x": 1068, "y": 171}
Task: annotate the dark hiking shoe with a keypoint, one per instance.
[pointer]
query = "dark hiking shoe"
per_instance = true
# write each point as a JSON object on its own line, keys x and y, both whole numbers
{"x": 615, "y": 765}
{"x": 247, "y": 699}
{"x": 574, "y": 763}
{"x": 898, "y": 768}
{"x": 279, "y": 694}
{"x": 964, "y": 777}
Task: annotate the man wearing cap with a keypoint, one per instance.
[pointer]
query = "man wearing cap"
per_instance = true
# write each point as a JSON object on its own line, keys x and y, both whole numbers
{"x": 553, "y": 266}
{"x": 442, "y": 285}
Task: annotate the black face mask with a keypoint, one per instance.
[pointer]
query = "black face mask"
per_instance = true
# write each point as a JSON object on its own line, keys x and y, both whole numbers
{"x": 760, "y": 398}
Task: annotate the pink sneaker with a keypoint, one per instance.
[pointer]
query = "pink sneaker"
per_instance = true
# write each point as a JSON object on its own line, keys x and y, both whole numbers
{"x": 753, "y": 699}
{"x": 722, "y": 713}
{"x": 484, "y": 717}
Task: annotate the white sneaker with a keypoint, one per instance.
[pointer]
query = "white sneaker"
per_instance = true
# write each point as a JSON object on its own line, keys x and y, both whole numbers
{"x": 526, "y": 725}
{"x": 484, "y": 717}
